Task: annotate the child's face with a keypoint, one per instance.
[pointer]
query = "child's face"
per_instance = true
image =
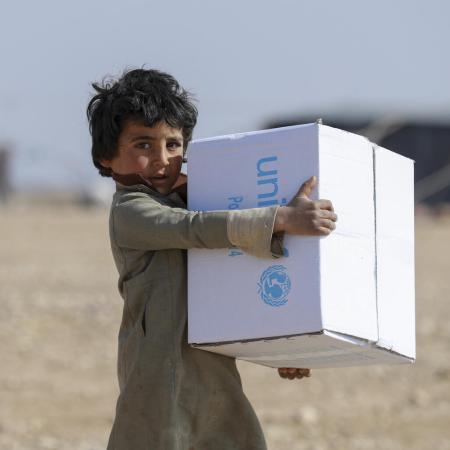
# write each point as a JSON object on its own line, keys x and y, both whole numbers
{"x": 154, "y": 152}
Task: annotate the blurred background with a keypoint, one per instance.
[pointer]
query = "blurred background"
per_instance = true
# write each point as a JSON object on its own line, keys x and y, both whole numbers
{"x": 380, "y": 69}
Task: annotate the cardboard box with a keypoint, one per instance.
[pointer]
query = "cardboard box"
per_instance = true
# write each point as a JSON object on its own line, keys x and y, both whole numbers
{"x": 342, "y": 300}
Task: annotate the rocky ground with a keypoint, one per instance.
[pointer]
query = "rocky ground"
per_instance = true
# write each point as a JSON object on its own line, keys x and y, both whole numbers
{"x": 59, "y": 317}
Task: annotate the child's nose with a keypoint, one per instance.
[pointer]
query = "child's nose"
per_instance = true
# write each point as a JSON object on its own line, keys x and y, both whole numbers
{"x": 161, "y": 159}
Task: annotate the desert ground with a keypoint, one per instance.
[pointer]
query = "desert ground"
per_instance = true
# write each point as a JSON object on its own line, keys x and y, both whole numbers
{"x": 60, "y": 311}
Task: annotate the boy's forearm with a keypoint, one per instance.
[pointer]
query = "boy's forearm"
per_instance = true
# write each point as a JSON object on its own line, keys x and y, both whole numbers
{"x": 140, "y": 222}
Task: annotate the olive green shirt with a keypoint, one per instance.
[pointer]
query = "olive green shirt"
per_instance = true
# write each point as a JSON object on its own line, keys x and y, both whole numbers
{"x": 172, "y": 396}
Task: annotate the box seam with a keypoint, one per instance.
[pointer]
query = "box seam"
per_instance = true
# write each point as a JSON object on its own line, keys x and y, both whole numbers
{"x": 375, "y": 236}
{"x": 319, "y": 243}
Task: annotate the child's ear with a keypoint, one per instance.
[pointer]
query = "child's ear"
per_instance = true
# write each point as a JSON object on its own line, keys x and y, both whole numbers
{"x": 106, "y": 163}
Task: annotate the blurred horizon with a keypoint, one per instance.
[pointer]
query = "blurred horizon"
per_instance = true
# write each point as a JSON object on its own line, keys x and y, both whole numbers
{"x": 247, "y": 63}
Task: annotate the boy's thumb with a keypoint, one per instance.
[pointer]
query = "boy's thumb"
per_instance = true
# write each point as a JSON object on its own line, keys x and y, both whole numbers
{"x": 307, "y": 187}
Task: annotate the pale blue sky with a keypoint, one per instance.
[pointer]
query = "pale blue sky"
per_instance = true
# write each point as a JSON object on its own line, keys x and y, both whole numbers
{"x": 247, "y": 61}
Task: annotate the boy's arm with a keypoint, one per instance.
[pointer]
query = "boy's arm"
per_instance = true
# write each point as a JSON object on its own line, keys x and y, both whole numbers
{"x": 140, "y": 222}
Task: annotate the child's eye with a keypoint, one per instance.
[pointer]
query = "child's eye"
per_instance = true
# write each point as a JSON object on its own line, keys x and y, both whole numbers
{"x": 143, "y": 145}
{"x": 174, "y": 145}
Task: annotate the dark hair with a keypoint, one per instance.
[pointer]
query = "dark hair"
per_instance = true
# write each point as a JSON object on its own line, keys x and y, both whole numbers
{"x": 147, "y": 96}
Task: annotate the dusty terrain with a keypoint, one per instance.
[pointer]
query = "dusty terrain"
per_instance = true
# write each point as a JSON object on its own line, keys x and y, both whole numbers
{"x": 59, "y": 317}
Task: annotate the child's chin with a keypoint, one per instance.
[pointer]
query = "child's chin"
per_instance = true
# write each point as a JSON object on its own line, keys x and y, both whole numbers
{"x": 164, "y": 190}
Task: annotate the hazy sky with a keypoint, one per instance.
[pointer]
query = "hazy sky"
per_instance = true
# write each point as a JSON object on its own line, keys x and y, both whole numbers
{"x": 247, "y": 61}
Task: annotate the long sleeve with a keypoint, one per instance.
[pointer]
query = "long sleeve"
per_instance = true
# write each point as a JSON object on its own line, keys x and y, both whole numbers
{"x": 141, "y": 222}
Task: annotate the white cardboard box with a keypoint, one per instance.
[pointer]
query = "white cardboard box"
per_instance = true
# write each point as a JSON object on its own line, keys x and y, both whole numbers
{"x": 342, "y": 300}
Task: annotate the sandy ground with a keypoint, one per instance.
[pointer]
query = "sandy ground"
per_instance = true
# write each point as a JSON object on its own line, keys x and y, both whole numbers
{"x": 59, "y": 317}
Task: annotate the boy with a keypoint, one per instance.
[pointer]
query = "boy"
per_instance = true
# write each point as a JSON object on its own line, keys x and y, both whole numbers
{"x": 174, "y": 397}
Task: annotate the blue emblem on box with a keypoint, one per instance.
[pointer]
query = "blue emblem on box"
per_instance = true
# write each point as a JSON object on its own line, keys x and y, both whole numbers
{"x": 274, "y": 286}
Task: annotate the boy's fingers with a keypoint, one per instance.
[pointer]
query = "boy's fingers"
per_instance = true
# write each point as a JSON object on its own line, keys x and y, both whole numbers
{"x": 325, "y": 204}
{"x": 326, "y": 223}
{"x": 325, "y": 214}
{"x": 307, "y": 187}
{"x": 292, "y": 373}
{"x": 323, "y": 231}
{"x": 285, "y": 372}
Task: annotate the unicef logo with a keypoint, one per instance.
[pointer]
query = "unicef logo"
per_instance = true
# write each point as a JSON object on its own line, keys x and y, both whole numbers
{"x": 274, "y": 286}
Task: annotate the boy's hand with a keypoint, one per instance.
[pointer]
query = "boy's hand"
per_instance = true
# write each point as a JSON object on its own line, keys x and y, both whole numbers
{"x": 305, "y": 216}
{"x": 291, "y": 373}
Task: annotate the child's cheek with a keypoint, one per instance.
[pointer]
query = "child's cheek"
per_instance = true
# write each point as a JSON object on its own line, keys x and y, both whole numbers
{"x": 141, "y": 162}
